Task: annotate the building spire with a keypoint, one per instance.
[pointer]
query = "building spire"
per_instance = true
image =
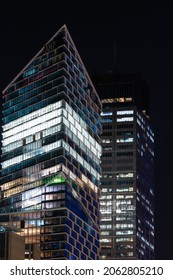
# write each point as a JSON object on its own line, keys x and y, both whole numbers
{"x": 115, "y": 67}
{"x": 114, "y": 53}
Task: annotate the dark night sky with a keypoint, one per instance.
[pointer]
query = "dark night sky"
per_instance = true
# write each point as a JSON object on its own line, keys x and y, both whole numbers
{"x": 143, "y": 32}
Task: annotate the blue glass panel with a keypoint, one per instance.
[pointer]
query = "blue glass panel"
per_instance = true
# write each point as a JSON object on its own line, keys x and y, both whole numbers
{"x": 68, "y": 247}
{"x": 71, "y": 241}
{"x": 74, "y": 234}
{"x": 71, "y": 216}
{"x": 83, "y": 233}
{"x": 96, "y": 242}
{"x": 72, "y": 257}
{"x": 85, "y": 251}
{"x": 76, "y": 252}
{"x": 81, "y": 239}
{"x": 76, "y": 228}
{"x": 83, "y": 257}
{"x": 78, "y": 245}
{"x": 94, "y": 249}
{"x": 88, "y": 244}
{"x": 90, "y": 238}
{"x": 92, "y": 255}
{"x": 79, "y": 222}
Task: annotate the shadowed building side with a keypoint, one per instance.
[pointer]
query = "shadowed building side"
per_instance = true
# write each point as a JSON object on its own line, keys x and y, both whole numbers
{"x": 127, "y": 183}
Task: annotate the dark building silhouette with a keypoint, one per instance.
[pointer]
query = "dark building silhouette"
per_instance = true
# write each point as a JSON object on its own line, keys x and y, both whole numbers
{"x": 51, "y": 154}
{"x": 127, "y": 183}
{"x": 12, "y": 245}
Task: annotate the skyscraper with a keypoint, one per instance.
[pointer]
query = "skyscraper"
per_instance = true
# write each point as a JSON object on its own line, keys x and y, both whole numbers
{"x": 51, "y": 154}
{"x": 127, "y": 183}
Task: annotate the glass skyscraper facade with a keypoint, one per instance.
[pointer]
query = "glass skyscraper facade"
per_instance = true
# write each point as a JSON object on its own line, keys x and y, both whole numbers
{"x": 51, "y": 154}
{"x": 127, "y": 183}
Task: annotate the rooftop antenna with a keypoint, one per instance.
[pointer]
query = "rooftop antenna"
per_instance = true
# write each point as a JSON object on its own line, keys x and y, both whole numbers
{"x": 114, "y": 52}
{"x": 115, "y": 56}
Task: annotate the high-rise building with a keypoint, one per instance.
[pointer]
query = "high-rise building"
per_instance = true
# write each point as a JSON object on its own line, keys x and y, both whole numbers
{"x": 127, "y": 183}
{"x": 51, "y": 154}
